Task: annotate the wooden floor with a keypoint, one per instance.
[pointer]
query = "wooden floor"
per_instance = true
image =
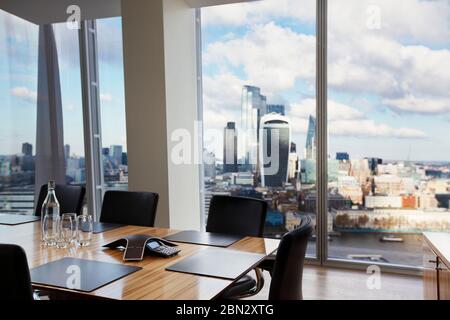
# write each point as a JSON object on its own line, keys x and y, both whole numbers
{"x": 341, "y": 284}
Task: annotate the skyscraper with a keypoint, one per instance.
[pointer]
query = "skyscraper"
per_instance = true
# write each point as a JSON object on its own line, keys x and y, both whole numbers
{"x": 27, "y": 160}
{"x": 27, "y": 149}
{"x": 293, "y": 147}
{"x": 209, "y": 164}
{"x": 293, "y": 161}
{"x": 274, "y": 150}
{"x": 66, "y": 151}
{"x": 116, "y": 154}
{"x": 342, "y": 156}
{"x": 276, "y": 108}
{"x": 124, "y": 158}
{"x": 230, "y": 148}
{"x": 253, "y": 107}
{"x": 105, "y": 151}
{"x": 373, "y": 164}
{"x": 311, "y": 144}
{"x": 293, "y": 166}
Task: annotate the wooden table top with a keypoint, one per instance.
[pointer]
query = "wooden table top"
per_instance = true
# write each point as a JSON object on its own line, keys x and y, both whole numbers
{"x": 150, "y": 283}
{"x": 440, "y": 243}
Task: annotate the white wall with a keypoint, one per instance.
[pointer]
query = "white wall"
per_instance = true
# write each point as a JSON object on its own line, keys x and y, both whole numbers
{"x": 181, "y": 104}
{"x": 145, "y": 100}
{"x": 161, "y": 96}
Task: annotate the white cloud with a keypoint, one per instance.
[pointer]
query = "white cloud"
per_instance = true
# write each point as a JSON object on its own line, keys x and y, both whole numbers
{"x": 222, "y": 92}
{"x": 403, "y": 66}
{"x": 419, "y": 105}
{"x": 105, "y": 97}
{"x": 381, "y": 66}
{"x": 272, "y": 57}
{"x": 410, "y": 19}
{"x": 25, "y": 94}
{"x": 417, "y": 21}
{"x": 392, "y": 61}
{"x": 369, "y": 129}
{"x": 336, "y": 111}
{"x": 344, "y": 120}
{"x": 259, "y": 11}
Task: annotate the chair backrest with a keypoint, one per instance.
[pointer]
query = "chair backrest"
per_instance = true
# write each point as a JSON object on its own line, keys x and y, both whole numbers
{"x": 131, "y": 208}
{"x": 70, "y": 198}
{"x": 237, "y": 215}
{"x": 16, "y": 282}
{"x": 287, "y": 273}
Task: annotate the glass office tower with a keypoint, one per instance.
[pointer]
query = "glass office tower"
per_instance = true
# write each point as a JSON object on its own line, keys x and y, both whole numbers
{"x": 310, "y": 146}
{"x": 230, "y": 148}
{"x": 274, "y": 150}
{"x": 253, "y": 107}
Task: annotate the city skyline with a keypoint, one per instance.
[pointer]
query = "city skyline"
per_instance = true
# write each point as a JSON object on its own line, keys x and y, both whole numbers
{"x": 393, "y": 109}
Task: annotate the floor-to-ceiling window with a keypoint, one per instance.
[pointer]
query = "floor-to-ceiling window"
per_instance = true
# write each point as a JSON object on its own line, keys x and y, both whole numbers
{"x": 387, "y": 116}
{"x": 259, "y": 114}
{"x": 40, "y": 68}
{"x": 388, "y": 112}
{"x": 18, "y": 97}
{"x": 112, "y": 103}
{"x": 67, "y": 45}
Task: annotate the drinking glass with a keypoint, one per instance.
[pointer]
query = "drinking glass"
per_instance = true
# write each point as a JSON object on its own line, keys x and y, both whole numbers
{"x": 75, "y": 227}
{"x": 85, "y": 229}
{"x": 50, "y": 228}
{"x": 66, "y": 230}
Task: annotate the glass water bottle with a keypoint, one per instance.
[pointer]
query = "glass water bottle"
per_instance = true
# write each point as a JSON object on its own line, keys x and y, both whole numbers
{"x": 50, "y": 217}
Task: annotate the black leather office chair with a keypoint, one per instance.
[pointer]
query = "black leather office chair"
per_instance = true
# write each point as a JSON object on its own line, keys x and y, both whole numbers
{"x": 131, "y": 208}
{"x": 238, "y": 216}
{"x": 16, "y": 282}
{"x": 287, "y": 273}
{"x": 70, "y": 198}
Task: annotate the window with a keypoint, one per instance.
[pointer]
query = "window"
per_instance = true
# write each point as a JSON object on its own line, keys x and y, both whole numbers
{"x": 388, "y": 80}
{"x": 259, "y": 107}
{"x": 387, "y": 166}
{"x": 36, "y": 146}
{"x": 67, "y": 44}
{"x": 112, "y": 104}
{"x": 18, "y": 92}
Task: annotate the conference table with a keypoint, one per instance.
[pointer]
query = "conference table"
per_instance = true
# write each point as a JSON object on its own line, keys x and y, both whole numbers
{"x": 152, "y": 282}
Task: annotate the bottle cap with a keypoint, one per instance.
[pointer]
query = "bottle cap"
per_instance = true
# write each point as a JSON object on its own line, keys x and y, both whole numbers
{"x": 51, "y": 184}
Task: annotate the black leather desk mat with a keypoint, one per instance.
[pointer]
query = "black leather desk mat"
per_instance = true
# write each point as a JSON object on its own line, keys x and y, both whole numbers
{"x": 93, "y": 274}
{"x": 100, "y": 227}
{"x": 204, "y": 238}
{"x": 218, "y": 263}
{"x": 15, "y": 219}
